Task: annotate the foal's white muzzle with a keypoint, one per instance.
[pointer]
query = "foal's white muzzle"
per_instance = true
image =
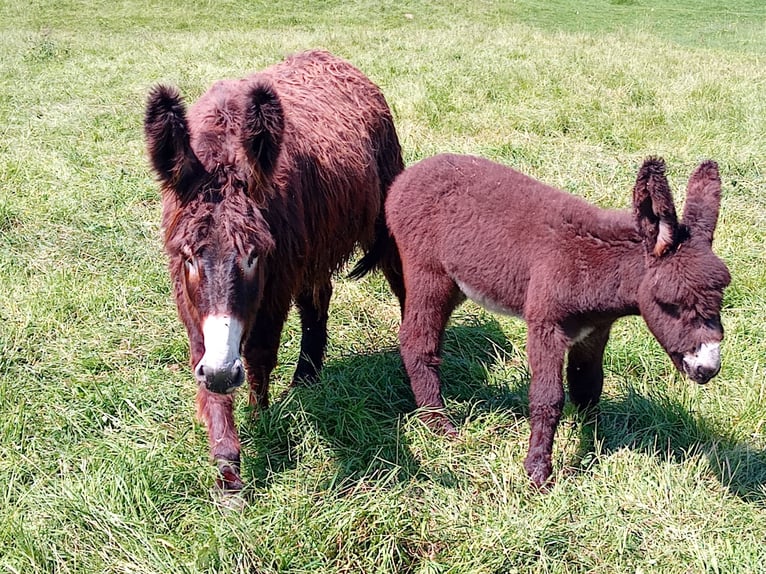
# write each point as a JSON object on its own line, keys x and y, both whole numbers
{"x": 704, "y": 364}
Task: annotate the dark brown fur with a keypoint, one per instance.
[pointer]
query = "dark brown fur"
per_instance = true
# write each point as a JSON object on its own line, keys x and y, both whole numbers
{"x": 467, "y": 226}
{"x": 287, "y": 169}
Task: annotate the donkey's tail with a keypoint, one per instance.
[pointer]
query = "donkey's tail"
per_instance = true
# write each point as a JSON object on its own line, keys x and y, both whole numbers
{"x": 374, "y": 256}
{"x": 383, "y": 254}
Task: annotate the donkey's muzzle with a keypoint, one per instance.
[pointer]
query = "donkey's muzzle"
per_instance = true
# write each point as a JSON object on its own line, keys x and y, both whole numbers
{"x": 704, "y": 364}
{"x": 222, "y": 380}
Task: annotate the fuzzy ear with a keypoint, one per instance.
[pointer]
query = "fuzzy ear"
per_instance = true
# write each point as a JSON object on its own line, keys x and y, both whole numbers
{"x": 703, "y": 200}
{"x": 167, "y": 141}
{"x": 653, "y": 207}
{"x": 263, "y": 127}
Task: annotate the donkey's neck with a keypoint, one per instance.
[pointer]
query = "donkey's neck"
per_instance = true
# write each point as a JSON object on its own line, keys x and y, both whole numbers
{"x": 612, "y": 265}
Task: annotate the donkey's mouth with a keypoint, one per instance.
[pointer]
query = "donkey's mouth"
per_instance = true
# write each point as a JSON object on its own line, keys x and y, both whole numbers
{"x": 701, "y": 375}
{"x": 222, "y": 381}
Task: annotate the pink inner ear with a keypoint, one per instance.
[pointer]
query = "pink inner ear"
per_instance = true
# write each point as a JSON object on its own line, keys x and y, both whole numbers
{"x": 664, "y": 238}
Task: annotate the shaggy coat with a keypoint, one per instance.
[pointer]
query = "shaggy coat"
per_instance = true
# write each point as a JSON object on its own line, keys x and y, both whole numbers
{"x": 269, "y": 184}
{"x": 467, "y": 227}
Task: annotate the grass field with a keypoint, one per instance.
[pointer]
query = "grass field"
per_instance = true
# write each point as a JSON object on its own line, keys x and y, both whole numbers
{"x": 102, "y": 465}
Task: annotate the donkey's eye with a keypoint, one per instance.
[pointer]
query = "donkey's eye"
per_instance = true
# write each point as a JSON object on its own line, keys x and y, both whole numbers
{"x": 249, "y": 263}
{"x": 714, "y": 323}
{"x": 190, "y": 266}
{"x": 670, "y": 309}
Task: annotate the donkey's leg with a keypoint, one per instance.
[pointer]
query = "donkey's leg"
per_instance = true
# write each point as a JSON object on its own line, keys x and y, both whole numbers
{"x": 431, "y": 298}
{"x": 312, "y": 305}
{"x": 216, "y": 411}
{"x": 585, "y": 369}
{"x": 546, "y": 346}
{"x": 261, "y": 347}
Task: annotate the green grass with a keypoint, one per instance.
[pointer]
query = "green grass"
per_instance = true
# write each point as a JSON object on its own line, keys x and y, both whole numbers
{"x": 102, "y": 465}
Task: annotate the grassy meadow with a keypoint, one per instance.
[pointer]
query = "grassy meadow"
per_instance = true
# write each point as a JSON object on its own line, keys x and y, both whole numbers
{"x": 103, "y": 467}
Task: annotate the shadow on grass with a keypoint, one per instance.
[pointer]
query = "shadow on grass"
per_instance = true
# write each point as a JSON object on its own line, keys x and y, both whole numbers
{"x": 664, "y": 428}
{"x": 358, "y": 407}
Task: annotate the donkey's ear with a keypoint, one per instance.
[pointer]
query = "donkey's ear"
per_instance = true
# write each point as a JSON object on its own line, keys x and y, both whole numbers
{"x": 167, "y": 140}
{"x": 263, "y": 127}
{"x": 653, "y": 208}
{"x": 703, "y": 200}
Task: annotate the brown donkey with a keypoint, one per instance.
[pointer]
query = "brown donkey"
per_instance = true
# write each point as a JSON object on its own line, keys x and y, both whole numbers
{"x": 268, "y": 185}
{"x": 467, "y": 227}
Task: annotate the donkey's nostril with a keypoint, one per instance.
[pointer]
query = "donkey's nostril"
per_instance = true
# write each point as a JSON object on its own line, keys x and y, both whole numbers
{"x": 221, "y": 380}
{"x": 237, "y": 373}
{"x": 706, "y": 372}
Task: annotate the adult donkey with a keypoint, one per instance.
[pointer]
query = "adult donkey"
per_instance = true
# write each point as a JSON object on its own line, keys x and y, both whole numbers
{"x": 468, "y": 227}
{"x": 269, "y": 183}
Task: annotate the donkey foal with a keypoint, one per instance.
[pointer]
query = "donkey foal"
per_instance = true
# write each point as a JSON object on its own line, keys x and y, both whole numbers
{"x": 468, "y": 227}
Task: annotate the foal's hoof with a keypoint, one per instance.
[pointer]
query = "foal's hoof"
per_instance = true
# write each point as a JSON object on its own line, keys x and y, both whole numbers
{"x": 439, "y": 423}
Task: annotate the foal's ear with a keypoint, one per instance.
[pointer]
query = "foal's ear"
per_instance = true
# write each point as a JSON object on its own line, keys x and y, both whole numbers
{"x": 167, "y": 140}
{"x": 653, "y": 207}
{"x": 703, "y": 200}
{"x": 263, "y": 127}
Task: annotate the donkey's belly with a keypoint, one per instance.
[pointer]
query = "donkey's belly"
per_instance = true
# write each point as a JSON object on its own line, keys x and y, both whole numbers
{"x": 491, "y": 304}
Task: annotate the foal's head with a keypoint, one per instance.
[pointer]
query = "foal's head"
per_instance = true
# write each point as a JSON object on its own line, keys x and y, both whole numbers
{"x": 213, "y": 173}
{"x": 681, "y": 294}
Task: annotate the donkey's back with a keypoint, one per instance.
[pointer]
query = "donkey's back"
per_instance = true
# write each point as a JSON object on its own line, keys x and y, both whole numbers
{"x": 335, "y": 153}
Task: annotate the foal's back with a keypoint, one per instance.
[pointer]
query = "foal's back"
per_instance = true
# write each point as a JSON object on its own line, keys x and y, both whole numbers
{"x": 493, "y": 229}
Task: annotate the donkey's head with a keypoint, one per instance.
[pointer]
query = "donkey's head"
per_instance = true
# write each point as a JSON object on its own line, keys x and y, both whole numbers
{"x": 214, "y": 173}
{"x": 681, "y": 294}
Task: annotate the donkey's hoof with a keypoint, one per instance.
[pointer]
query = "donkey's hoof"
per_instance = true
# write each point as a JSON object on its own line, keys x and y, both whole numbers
{"x": 306, "y": 374}
{"x": 539, "y": 473}
{"x": 304, "y": 379}
{"x": 228, "y": 481}
{"x": 439, "y": 424}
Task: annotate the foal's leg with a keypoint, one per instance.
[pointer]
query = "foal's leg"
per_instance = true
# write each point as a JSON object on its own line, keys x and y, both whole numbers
{"x": 391, "y": 265}
{"x": 546, "y": 346}
{"x": 312, "y": 305}
{"x": 585, "y": 369}
{"x": 431, "y": 298}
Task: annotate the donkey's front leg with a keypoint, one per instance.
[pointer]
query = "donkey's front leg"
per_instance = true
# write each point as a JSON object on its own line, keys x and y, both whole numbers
{"x": 585, "y": 369}
{"x": 216, "y": 411}
{"x": 313, "y": 305}
{"x": 261, "y": 348}
{"x": 546, "y": 346}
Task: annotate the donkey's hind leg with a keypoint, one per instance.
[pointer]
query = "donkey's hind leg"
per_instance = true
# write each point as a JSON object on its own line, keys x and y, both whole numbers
{"x": 431, "y": 298}
{"x": 391, "y": 265}
{"x": 585, "y": 369}
{"x": 313, "y": 305}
